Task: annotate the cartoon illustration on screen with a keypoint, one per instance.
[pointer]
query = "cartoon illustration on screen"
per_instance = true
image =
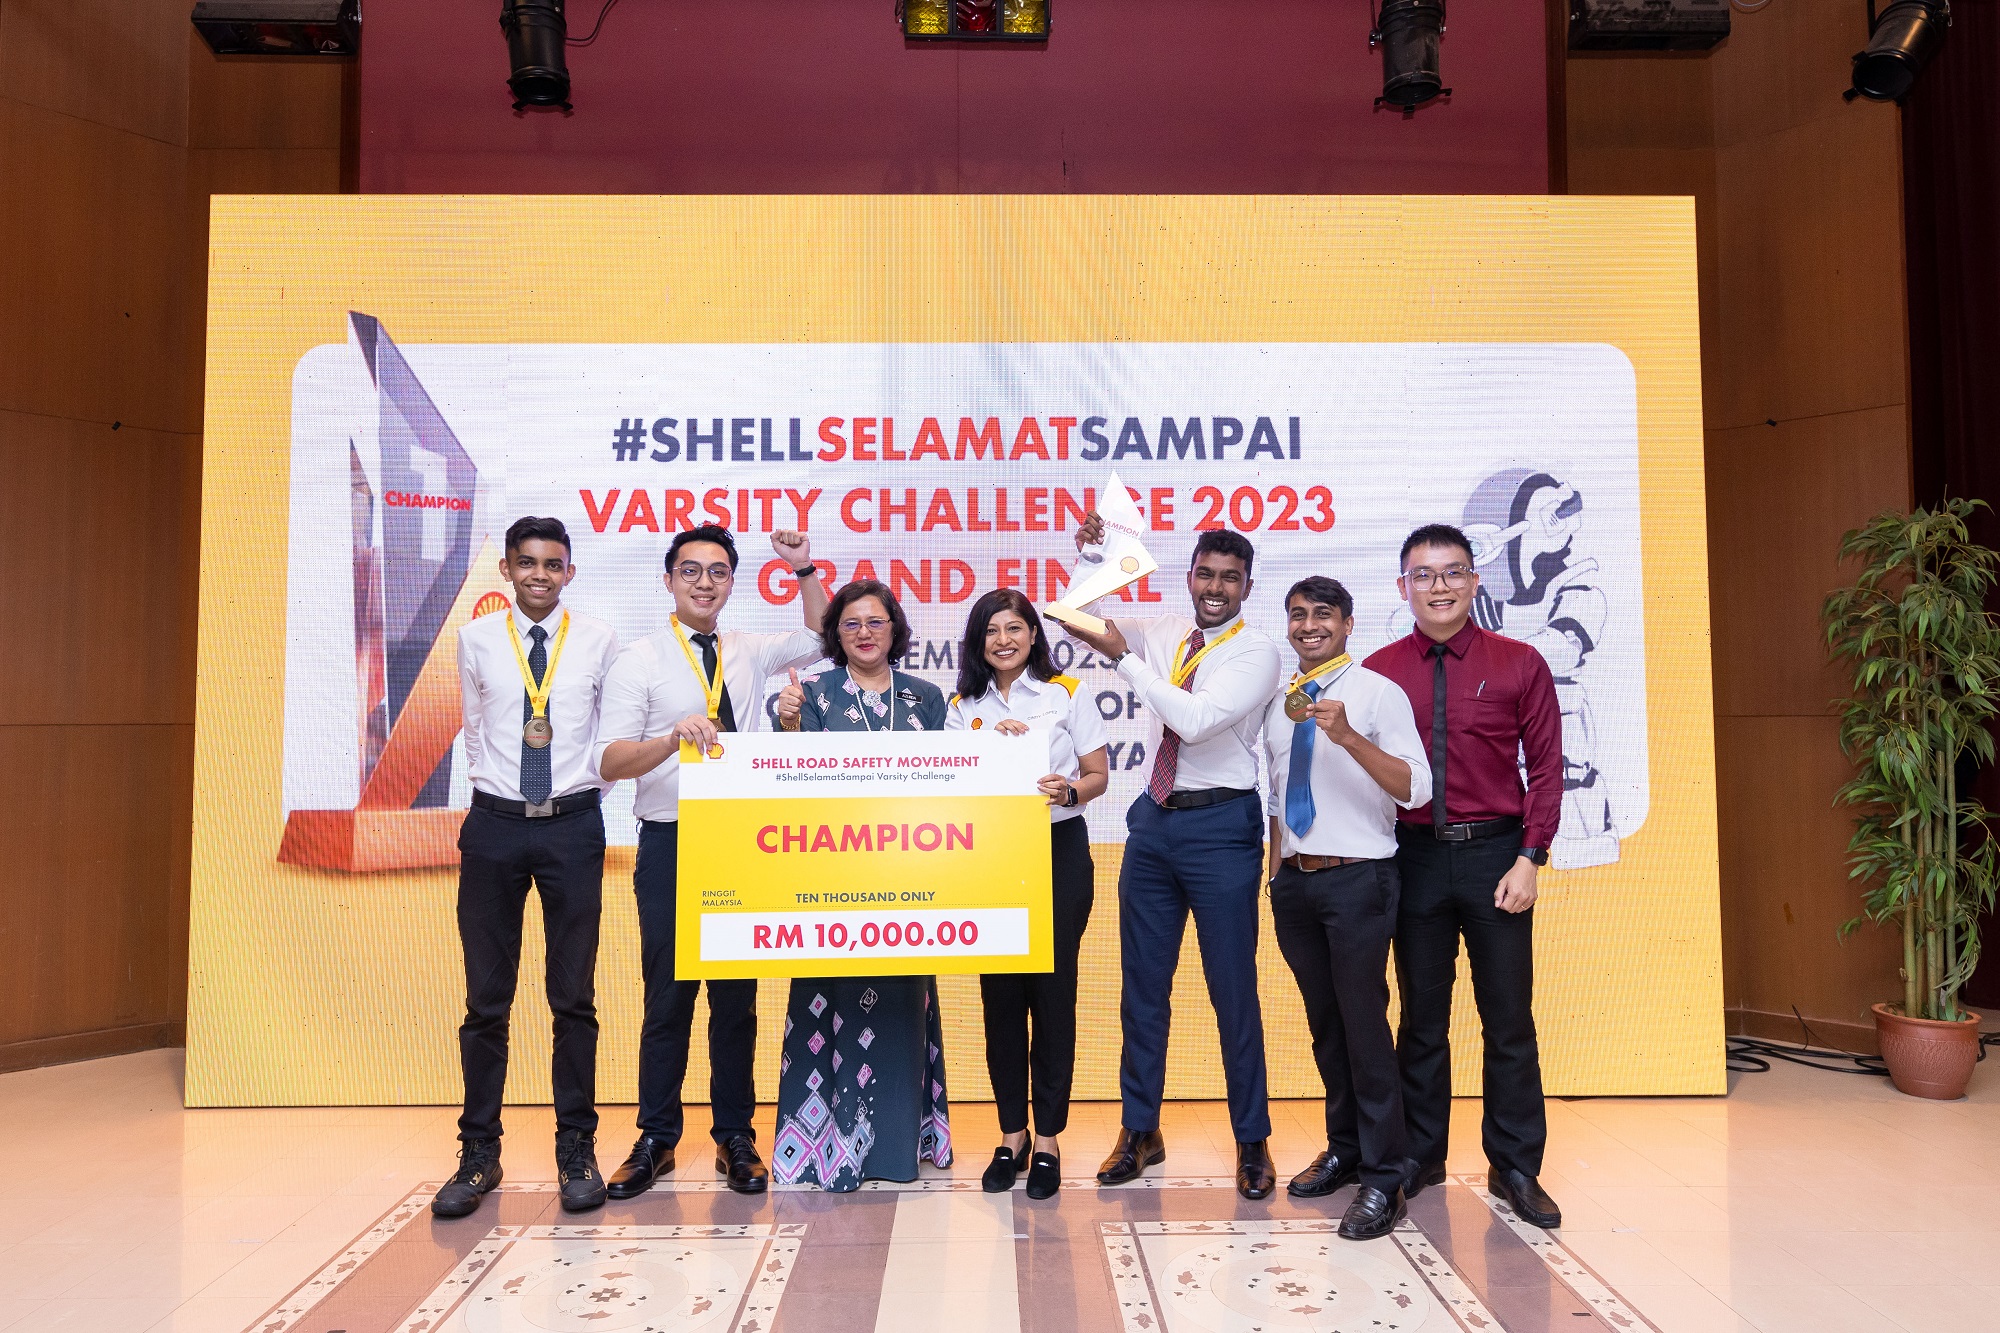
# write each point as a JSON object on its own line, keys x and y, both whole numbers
{"x": 1525, "y": 528}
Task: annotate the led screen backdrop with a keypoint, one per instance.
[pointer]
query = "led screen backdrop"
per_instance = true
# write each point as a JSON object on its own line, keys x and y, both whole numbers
{"x": 935, "y": 389}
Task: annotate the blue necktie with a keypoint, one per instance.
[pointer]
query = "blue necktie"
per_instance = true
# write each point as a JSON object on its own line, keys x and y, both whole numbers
{"x": 536, "y": 774}
{"x": 1298, "y": 782}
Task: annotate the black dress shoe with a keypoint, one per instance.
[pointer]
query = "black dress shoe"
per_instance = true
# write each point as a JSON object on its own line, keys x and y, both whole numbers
{"x": 1133, "y": 1153}
{"x": 736, "y": 1158}
{"x": 1044, "y": 1176}
{"x": 651, "y": 1158}
{"x": 1524, "y": 1195}
{"x": 1425, "y": 1174}
{"x": 1256, "y": 1177}
{"x": 578, "y": 1181}
{"x": 1001, "y": 1171}
{"x": 478, "y": 1172}
{"x": 1326, "y": 1174}
{"x": 1372, "y": 1214}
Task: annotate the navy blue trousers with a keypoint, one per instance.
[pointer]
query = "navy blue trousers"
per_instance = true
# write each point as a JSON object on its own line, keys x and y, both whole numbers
{"x": 1208, "y": 862}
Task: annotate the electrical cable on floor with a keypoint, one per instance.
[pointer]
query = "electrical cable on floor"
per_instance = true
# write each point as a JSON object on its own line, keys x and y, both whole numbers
{"x": 1752, "y": 1055}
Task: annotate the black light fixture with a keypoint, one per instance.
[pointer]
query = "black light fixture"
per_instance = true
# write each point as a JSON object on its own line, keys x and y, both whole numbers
{"x": 536, "y": 32}
{"x": 974, "y": 20}
{"x": 1409, "y": 31}
{"x": 1901, "y": 41}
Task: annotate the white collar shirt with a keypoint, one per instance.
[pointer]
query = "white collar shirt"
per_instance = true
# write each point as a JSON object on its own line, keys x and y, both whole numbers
{"x": 493, "y": 694}
{"x": 1221, "y": 712}
{"x": 1060, "y": 710}
{"x": 652, "y": 687}
{"x": 1352, "y": 815}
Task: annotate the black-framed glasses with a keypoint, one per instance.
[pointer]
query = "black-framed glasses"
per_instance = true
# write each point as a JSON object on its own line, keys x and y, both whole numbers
{"x": 1454, "y": 576}
{"x": 690, "y": 572}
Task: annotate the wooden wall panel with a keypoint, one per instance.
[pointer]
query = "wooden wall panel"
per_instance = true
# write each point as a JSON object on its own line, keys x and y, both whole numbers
{"x": 116, "y": 126}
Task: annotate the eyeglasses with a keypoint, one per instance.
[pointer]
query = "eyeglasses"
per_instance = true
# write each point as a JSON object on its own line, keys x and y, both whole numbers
{"x": 690, "y": 572}
{"x": 1454, "y": 576}
{"x": 874, "y": 625}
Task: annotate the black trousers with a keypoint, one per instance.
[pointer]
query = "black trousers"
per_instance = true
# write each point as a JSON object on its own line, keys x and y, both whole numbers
{"x": 1333, "y": 927}
{"x": 1013, "y": 1059}
{"x": 669, "y": 1023}
{"x": 499, "y": 857}
{"x": 1448, "y": 893}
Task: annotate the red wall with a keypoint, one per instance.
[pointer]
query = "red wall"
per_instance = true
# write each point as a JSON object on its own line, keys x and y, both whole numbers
{"x": 1141, "y": 96}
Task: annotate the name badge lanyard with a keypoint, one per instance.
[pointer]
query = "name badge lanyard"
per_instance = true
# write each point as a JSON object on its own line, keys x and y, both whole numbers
{"x": 1297, "y": 702}
{"x": 1183, "y": 671}
{"x": 538, "y": 731}
{"x": 712, "y": 688}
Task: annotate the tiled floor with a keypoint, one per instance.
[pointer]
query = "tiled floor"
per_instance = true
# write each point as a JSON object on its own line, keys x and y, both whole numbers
{"x": 1803, "y": 1200}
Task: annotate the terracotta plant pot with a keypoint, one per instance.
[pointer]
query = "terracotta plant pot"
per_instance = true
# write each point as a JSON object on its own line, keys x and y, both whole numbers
{"x": 1927, "y": 1057}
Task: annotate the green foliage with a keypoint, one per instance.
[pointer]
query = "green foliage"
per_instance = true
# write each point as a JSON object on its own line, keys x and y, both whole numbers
{"x": 1926, "y": 657}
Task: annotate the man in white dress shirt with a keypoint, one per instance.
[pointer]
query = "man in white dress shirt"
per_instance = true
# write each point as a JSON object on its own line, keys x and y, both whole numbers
{"x": 686, "y": 683}
{"x": 1344, "y": 753}
{"x": 1194, "y": 845}
{"x": 530, "y": 680}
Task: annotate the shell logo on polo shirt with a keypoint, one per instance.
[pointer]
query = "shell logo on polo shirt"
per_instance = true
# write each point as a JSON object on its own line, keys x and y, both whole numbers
{"x": 978, "y": 722}
{"x": 490, "y": 603}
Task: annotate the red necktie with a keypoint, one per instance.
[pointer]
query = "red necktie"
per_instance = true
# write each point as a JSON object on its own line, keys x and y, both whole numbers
{"x": 1167, "y": 762}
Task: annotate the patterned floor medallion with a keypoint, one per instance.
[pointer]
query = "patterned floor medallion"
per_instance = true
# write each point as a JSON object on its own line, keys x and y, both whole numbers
{"x": 1250, "y": 1276}
{"x": 615, "y": 1279}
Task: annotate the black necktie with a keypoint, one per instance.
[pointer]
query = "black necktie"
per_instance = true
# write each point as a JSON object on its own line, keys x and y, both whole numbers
{"x": 537, "y": 765}
{"x": 725, "y": 716}
{"x": 1437, "y": 738}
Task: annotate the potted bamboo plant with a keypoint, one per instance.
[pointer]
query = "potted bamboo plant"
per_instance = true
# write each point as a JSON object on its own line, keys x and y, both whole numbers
{"x": 1926, "y": 660}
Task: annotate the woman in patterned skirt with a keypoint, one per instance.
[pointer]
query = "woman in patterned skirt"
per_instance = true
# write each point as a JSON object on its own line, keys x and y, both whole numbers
{"x": 861, "y": 1090}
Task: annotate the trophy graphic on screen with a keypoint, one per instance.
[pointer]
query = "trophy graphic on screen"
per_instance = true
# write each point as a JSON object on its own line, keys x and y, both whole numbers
{"x": 421, "y": 571}
{"x": 1101, "y": 571}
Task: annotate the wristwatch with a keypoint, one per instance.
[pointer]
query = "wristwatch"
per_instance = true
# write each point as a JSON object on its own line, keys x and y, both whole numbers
{"x": 804, "y": 571}
{"x": 1069, "y": 795}
{"x": 1539, "y": 855}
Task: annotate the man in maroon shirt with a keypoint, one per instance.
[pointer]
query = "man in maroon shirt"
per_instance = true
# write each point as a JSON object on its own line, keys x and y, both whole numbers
{"x": 1468, "y": 863}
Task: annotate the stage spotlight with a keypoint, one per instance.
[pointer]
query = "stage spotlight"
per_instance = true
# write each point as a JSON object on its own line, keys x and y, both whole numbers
{"x": 536, "y": 32}
{"x": 1408, "y": 32}
{"x": 1901, "y": 41}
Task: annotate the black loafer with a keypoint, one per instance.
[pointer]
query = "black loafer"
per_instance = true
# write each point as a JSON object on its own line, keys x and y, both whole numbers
{"x": 1133, "y": 1153}
{"x": 1044, "y": 1176}
{"x": 736, "y": 1158}
{"x": 1326, "y": 1174}
{"x": 1256, "y": 1176}
{"x": 651, "y": 1158}
{"x": 1372, "y": 1214}
{"x": 1001, "y": 1171}
{"x": 478, "y": 1172}
{"x": 1525, "y": 1196}
{"x": 1426, "y": 1173}
{"x": 578, "y": 1181}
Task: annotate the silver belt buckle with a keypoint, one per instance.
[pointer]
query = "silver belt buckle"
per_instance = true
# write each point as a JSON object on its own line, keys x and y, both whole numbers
{"x": 539, "y": 810}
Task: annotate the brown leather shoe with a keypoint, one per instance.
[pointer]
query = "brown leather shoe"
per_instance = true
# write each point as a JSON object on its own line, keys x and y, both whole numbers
{"x": 1132, "y": 1154}
{"x": 1256, "y": 1176}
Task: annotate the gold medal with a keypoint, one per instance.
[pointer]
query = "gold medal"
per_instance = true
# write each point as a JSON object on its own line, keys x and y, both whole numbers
{"x": 537, "y": 733}
{"x": 1298, "y": 704}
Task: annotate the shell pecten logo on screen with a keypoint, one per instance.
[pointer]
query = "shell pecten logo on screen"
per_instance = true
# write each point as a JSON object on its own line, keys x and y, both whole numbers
{"x": 490, "y": 604}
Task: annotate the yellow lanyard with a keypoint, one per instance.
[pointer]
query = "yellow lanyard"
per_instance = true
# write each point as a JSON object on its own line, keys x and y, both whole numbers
{"x": 538, "y": 695}
{"x": 1299, "y": 679}
{"x": 1183, "y": 671}
{"x": 712, "y": 687}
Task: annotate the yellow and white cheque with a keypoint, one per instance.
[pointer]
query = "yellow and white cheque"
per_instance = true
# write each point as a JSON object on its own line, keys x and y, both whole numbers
{"x": 846, "y": 854}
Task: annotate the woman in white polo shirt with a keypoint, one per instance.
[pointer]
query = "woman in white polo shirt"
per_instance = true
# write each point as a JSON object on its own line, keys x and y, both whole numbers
{"x": 1007, "y": 681}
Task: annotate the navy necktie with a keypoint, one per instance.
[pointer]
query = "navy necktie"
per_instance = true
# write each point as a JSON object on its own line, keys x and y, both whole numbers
{"x": 536, "y": 775}
{"x": 1298, "y": 781}
{"x": 1437, "y": 738}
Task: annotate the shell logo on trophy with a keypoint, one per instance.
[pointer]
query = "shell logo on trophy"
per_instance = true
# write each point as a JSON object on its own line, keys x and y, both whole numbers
{"x": 1102, "y": 571}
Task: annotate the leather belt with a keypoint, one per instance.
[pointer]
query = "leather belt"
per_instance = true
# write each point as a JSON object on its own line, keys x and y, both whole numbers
{"x": 1484, "y": 828}
{"x": 559, "y": 805}
{"x": 1195, "y": 800}
{"x": 1306, "y": 861}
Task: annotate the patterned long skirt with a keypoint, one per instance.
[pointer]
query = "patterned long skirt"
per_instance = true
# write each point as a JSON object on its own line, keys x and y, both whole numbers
{"x": 861, "y": 1092}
